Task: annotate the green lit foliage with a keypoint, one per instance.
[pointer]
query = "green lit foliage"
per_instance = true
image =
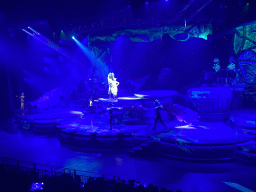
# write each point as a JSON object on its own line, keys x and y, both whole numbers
{"x": 245, "y": 49}
{"x": 148, "y": 34}
{"x": 245, "y": 38}
{"x": 237, "y": 43}
{"x": 247, "y": 62}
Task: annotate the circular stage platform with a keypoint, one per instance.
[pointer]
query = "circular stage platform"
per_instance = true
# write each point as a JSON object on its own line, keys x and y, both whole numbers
{"x": 244, "y": 118}
{"x": 200, "y": 142}
{"x": 246, "y": 154}
{"x": 121, "y": 101}
{"x": 156, "y": 94}
{"x": 92, "y": 131}
{"x": 43, "y": 121}
{"x": 213, "y": 142}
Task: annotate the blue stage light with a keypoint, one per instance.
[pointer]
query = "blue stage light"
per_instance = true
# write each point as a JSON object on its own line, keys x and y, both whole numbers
{"x": 73, "y": 37}
{"x": 146, "y": 2}
{"x": 27, "y": 32}
{"x": 35, "y": 32}
{"x": 104, "y": 70}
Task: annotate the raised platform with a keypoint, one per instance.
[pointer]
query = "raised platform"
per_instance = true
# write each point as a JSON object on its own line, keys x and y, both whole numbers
{"x": 209, "y": 142}
{"x": 244, "y": 118}
{"x": 121, "y": 101}
{"x": 211, "y": 103}
{"x": 44, "y": 121}
{"x": 203, "y": 142}
{"x": 200, "y": 142}
{"x": 94, "y": 132}
{"x": 156, "y": 94}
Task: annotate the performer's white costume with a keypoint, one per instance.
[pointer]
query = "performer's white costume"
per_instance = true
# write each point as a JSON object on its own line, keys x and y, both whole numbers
{"x": 113, "y": 83}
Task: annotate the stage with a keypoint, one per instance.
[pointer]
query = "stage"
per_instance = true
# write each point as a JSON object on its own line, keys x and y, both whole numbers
{"x": 128, "y": 122}
{"x": 198, "y": 142}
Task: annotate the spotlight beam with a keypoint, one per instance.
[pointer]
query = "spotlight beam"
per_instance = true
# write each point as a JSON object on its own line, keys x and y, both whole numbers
{"x": 102, "y": 66}
{"x": 55, "y": 47}
{"x": 183, "y": 10}
{"x": 199, "y": 10}
{"x": 85, "y": 50}
{"x": 50, "y": 44}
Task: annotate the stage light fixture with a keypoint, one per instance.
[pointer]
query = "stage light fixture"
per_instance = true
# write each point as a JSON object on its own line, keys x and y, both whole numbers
{"x": 27, "y": 32}
{"x": 33, "y": 30}
{"x": 73, "y": 37}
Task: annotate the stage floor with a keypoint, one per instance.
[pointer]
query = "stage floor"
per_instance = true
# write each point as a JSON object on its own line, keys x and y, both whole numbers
{"x": 173, "y": 175}
{"x": 198, "y": 142}
{"x": 208, "y": 136}
{"x": 208, "y": 133}
{"x": 201, "y": 132}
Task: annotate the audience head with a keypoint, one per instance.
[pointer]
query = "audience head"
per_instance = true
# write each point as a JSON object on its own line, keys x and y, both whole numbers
{"x": 15, "y": 180}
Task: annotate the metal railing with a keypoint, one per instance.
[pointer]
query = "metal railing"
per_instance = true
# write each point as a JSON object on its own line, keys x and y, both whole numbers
{"x": 49, "y": 170}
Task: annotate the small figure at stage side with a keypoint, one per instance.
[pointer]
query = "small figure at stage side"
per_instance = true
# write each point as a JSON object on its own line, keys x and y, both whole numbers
{"x": 158, "y": 117}
{"x": 22, "y": 102}
{"x": 113, "y": 83}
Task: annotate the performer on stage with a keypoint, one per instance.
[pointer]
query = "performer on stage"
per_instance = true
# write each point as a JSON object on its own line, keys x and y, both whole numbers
{"x": 218, "y": 71}
{"x": 216, "y": 65}
{"x": 22, "y": 102}
{"x": 158, "y": 107}
{"x": 231, "y": 73}
{"x": 113, "y": 83}
{"x": 231, "y": 65}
